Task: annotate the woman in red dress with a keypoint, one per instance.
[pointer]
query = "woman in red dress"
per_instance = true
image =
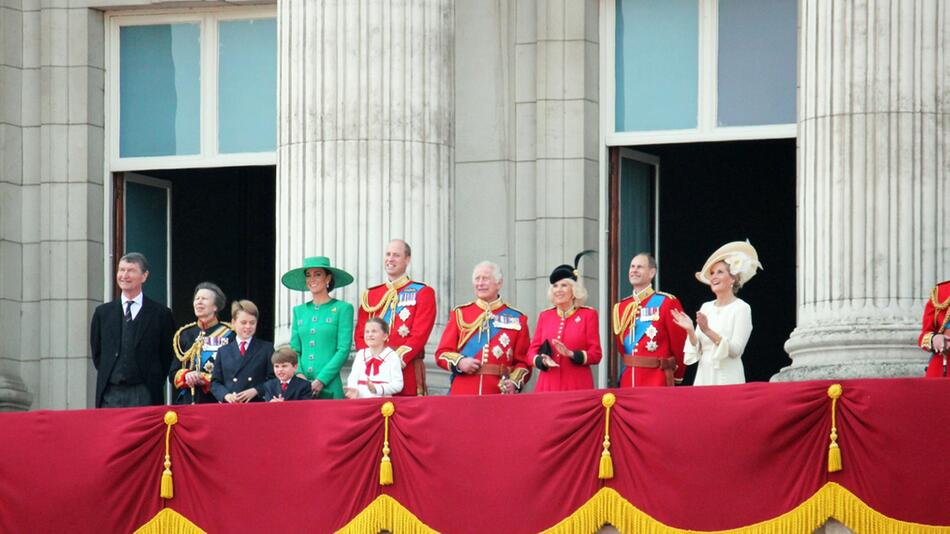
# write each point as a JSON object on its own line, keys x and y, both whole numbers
{"x": 566, "y": 340}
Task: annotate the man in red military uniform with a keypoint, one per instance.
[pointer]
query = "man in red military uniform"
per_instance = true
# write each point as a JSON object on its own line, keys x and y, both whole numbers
{"x": 409, "y": 308}
{"x": 485, "y": 342}
{"x": 649, "y": 341}
{"x": 932, "y": 336}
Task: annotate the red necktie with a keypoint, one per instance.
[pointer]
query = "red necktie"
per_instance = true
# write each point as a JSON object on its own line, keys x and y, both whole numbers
{"x": 283, "y": 386}
{"x": 243, "y": 347}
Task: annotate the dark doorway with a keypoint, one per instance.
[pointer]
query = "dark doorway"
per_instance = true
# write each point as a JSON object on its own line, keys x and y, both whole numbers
{"x": 223, "y": 228}
{"x": 713, "y": 193}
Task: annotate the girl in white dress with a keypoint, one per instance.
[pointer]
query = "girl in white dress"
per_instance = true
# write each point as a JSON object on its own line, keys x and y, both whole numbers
{"x": 724, "y": 324}
{"x": 377, "y": 369}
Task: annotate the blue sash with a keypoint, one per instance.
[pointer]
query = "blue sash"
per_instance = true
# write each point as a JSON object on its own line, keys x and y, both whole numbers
{"x": 405, "y": 297}
{"x": 478, "y": 340}
{"x": 631, "y": 339}
{"x": 209, "y": 350}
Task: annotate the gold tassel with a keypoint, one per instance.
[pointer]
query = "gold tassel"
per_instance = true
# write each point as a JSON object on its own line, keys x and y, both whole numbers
{"x": 168, "y": 489}
{"x": 606, "y": 462}
{"x": 386, "y": 466}
{"x": 834, "y": 453}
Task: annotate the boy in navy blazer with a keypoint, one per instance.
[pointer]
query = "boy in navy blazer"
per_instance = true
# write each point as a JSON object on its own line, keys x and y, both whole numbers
{"x": 243, "y": 365}
{"x": 286, "y": 385}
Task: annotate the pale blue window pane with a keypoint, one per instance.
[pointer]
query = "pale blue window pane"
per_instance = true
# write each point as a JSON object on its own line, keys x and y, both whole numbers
{"x": 656, "y": 64}
{"x": 159, "y": 90}
{"x": 146, "y": 231}
{"x": 247, "y": 86}
{"x": 757, "y": 62}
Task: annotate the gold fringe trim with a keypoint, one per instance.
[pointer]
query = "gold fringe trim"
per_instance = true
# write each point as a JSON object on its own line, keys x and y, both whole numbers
{"x": 168, "y": 521}
{"x": 831, "y": 501}
{"x": 385, "y": 513}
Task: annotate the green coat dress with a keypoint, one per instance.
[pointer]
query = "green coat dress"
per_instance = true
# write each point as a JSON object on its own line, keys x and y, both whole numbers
{"x": 321, "y": 336}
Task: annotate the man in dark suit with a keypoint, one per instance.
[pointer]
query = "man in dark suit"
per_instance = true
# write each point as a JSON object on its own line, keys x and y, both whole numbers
{"x": 243, "y": 365}
{"x": 131, "y": 341}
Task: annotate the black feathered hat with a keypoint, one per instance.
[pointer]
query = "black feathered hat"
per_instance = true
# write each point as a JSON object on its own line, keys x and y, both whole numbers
{"x": 566, "y": 271}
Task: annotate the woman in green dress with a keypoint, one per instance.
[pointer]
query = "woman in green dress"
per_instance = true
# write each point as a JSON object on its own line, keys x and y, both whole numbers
{"x": 322, "y": 329}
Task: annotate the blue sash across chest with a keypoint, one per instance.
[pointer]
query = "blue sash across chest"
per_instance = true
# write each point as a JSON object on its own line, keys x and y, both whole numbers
{"x": 630, "y": 339}
{"x": 405, "y": 297}
{"x": 506, "y": 319}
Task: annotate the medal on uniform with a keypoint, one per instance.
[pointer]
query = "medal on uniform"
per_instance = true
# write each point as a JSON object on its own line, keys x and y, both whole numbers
{"x": 407, "y": 298}
{"x": 504, "y": 339}
{"x": 403, "y": 331}
{"x": 404, "y": 314}
{"x": 651, "y": 333}
{"x": 497, "y": 351}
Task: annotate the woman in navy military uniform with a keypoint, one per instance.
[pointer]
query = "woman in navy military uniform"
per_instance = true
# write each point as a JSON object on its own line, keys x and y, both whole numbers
{"x": 196, "y": 347}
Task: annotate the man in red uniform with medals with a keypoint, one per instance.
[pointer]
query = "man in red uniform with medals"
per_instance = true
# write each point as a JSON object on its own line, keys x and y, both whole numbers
{"x": 649, "y": 342}
{"x": 409, "y": 308}
{"x": 932, "y": 337}
{"x": 485, "y": 342}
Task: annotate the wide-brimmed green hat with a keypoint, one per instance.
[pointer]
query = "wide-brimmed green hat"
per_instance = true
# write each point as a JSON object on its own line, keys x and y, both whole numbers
{"x": 297, "y": 279}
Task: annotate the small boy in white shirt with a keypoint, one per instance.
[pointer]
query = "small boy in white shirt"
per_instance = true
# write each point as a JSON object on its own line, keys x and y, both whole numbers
{"x": 377, "y": 369}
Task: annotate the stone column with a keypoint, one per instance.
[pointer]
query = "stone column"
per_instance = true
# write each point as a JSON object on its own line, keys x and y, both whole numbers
{"x": 874, "y": 171}
{"x": 13, "y": 392}
{"x": 557, "y": 170}
{"x": 365, "y": 139}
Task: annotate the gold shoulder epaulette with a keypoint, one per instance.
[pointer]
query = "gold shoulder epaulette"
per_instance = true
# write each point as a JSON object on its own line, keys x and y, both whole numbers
{"x": 933, "y": 299}
{"x": 224, "y": 324}
{"x": 181, "y": 355}
{"x": 510, "y": 307}
{"x": 364, "y": 300}
{"x": 186, "y": 327}
{"x": 665, "y": 294}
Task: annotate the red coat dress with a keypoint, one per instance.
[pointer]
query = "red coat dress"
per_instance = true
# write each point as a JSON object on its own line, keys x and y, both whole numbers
{"x": 579, "y": 331}
{"x": 936, "y": 318}
{"x": 495, "y": 334}
{"x": 645, "y": 332}
{"x": 409, "y": 308}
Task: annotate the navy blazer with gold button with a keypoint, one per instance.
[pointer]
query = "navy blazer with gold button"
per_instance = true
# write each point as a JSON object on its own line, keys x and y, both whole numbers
{"x": 234, "y": 373}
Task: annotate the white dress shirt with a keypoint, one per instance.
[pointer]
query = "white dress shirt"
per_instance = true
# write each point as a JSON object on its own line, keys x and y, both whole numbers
{"x": 136, "y": 305}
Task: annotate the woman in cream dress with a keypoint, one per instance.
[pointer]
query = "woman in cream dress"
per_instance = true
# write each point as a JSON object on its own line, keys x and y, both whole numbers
{"x": 723, "y": 325}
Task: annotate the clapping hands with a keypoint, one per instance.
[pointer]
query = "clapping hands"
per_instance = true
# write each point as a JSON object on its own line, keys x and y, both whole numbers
{"x": 682, "y": 320}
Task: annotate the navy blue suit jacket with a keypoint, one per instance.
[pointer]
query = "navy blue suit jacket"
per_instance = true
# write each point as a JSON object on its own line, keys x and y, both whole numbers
{"x": 234, "y": 373}
{"x": 297, "y": 389}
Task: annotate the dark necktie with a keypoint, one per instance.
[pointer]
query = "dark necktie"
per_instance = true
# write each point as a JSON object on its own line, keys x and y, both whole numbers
{"x": 128, "y": 310}
{"x": 243, "y": 347}
{"x": 283, "y": 386}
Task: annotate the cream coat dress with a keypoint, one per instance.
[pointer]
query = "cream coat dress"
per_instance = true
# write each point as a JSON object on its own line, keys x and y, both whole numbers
{"x": 721, "y": 364}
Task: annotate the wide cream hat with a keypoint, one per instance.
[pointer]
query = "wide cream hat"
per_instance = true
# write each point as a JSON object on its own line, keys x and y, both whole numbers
{"x": 740, "y": 256}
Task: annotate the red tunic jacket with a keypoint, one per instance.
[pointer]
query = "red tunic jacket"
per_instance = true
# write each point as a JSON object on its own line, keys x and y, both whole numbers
{"x": 936, "y": 318}
{"x": 409, "y": 308}
{"x": 669, "y": 338}
{"x": 493, "y": 333}
{"x": 579, "y": 330}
